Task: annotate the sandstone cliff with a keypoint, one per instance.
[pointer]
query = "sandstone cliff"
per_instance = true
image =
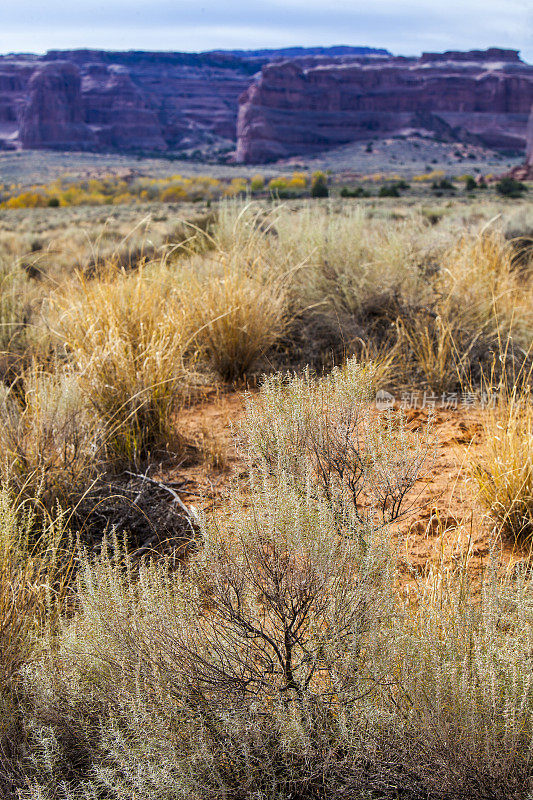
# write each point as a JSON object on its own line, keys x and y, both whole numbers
{"x": 117, "y": 110}
{"x": 136, "y": 100}
{"x": 529, "y": 141}
{"x": 293, "y": 101}
{"x": 306, "y": 105}
{"x": 53, "y": 115}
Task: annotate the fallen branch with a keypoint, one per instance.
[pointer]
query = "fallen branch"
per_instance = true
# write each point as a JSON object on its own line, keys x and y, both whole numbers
{"x": 190, "y": 514}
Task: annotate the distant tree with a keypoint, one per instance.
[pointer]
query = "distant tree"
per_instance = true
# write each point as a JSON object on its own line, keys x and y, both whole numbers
{"x": 509, "y": 187}
{"x": 444, "y": 185}
{"x": 389, "y": 190}
{"x": 257, "y": 184}
{"x": 357, "y": 191}
{"x": 319, "y": 185}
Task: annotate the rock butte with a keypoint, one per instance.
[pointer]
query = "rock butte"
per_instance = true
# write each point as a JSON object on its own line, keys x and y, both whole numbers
{"x": 268, "y": 104}
{"x": 304, "y": 106}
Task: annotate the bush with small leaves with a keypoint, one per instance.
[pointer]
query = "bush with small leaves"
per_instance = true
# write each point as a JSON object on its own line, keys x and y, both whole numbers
{"x": 319, "y": 185}
{"x": 509, "y": 187}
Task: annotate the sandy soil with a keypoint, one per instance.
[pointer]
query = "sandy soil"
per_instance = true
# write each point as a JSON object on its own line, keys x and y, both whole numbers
{"x": 445, "y": 522}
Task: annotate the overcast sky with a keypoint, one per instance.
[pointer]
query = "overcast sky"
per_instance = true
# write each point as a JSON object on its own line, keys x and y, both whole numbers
{"x": 402, "y": 26}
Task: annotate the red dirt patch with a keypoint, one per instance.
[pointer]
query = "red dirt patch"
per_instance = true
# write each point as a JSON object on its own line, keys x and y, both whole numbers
{"x": 446, "y": 522}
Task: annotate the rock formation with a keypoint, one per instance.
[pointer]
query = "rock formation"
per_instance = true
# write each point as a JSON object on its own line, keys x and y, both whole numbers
{"x": 130, "y": 101}
{"x": 303, "y": 106}
{"x": 524, "y": 172}
{"x": 117, "y": 112}
{"x": 53, "y": 115}
{"x": 529, "y": 140}
{"x": 293, "y": 101}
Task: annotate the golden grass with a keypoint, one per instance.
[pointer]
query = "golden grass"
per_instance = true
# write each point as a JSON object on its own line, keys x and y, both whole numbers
{"x": 237, "y": 294}
{"x": 126, "y": 336}
{"x": 504, "y": 476}
{"x": 50, "y": 442}
{"x": 35, "y": 570}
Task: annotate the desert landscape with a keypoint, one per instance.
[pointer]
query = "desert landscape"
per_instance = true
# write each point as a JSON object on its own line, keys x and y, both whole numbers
{"x": 266, "y": 484}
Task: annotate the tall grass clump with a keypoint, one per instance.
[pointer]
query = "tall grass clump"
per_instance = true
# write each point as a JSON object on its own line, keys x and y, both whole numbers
{"x": 50, "y": 441}
{"x": 480, "y": 305}
{"x": 126, "y": 336}
{"x": 15, "y": 304}
{"x": 237, "y": 293}
{"x": 35, "y": 572}
{"x": 504, "y": 473}
{"x": 354, "y": 264}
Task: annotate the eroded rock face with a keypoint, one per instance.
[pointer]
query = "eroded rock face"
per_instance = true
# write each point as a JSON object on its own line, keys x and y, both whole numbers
{"x": 293, "y": 101}
{"x": 53, "y": 115}
{"x": 130, "y": 101}
{"x": 303, "y": 106}
{"x": 529, "y": 141}
{"x": 117, "y": 112}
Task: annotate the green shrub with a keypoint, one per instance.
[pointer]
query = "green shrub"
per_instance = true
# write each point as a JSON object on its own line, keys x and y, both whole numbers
{"x": 509, "y": 187}
{"x": 444, "y": 185}
{"x": 389, "y": 191}
{"x": 319, "y": 185}
{"x": 356, "y": 191}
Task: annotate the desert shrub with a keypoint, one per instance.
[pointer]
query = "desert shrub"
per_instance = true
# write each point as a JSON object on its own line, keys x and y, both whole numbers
{"x": 356, "y": 191}
{"x": 389, "y": 191}
{"x": 126, "y": 336}
{"x": 326, "y": 430}
{"x": 319, "y": 185}
{"x": 457, "y": 718}
{"x": 284, "y": 659}
{"x": 251, "y": 661}
{"x": 509, "y": 187}
{"x": 443, "y": 185}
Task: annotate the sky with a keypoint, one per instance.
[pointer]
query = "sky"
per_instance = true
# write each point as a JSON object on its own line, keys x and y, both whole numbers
{"x": 402, "y": 26}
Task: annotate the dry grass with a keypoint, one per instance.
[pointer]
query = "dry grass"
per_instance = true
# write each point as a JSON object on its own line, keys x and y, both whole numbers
{"x": 505, "y": 475}
{"x": 50, "y": 442}
{"x": 281, "y": 659}
{"x": 238, "y": 315}
{"x": 238, "y": 294}
{"x": 36, "y": 562}
{"x": 127, "y": 336}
